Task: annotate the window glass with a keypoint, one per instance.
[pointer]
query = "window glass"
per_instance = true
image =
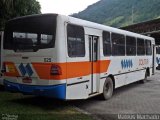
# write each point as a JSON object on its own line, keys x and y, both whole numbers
{"x": 157, "y": 50}
{"x": 29, "y": 34}
{"x": 95, "y": 44}
{"x": 140, "y": 46}
{"x": 118, "y": 44}
{"x": 130, "y": 45}
{"x": 148, "y": 47}
{"x": 106, "y": 44}
{"x": 24, "y": 40}
{"x": 46, "y": 39}
{"x": 76, "y": 42}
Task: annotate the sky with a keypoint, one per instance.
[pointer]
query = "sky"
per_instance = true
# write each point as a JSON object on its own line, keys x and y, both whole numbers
{"x": 64, "y": 7}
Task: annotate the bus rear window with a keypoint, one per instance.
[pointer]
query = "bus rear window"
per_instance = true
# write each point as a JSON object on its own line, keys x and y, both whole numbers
{"x": 30, "y": 33}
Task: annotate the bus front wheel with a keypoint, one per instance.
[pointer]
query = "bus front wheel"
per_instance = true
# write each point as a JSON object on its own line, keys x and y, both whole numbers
{"x": 107, "y": 89}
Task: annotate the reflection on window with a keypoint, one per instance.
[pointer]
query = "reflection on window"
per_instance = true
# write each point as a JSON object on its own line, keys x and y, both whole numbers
{"x": 118, "y": 44}
{"x": 130, "y": 45}
{"x": 25, "y": 38}
{"x": 45, "y": 39}
{"x": 140, "y": 46}
{"x": 75, "y": 41}
{"x": 148, "y": 47}
{"x": 31, "y": 41}
{"x": 106, "y": 44}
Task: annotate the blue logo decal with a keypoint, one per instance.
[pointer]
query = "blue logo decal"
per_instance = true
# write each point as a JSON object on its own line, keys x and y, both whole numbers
{"x": 25, "y": 69}
{"x": 22, "y": 69}
{"x": 126, "y": 64}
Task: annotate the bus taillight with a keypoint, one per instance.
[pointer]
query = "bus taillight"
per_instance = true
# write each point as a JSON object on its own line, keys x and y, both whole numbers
{"x": 56, "y": 70}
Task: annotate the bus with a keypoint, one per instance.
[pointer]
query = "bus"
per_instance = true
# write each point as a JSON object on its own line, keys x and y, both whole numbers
{"x": 1, "y": 44}
{"x": 68, "y": 58}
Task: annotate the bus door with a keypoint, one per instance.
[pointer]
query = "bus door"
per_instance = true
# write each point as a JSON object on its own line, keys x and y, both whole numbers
{"x": 94, "y": 66}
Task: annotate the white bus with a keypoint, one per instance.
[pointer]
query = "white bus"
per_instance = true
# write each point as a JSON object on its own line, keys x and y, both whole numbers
{"x": 68, "y": 58}
{"x": 1, "y": 44}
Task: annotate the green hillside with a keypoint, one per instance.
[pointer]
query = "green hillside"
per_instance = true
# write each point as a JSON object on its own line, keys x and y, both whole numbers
{"x": 120, "y": 13}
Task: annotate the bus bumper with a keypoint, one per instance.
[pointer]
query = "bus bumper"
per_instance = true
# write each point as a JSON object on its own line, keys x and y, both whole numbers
{"x": 55, "y": 91}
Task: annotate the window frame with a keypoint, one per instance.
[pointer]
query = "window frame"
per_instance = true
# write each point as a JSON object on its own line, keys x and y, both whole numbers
{"x": 124, "y": 45}
{"x": 131, "y": 45}
{"x": 75, "y": 32}
{"x": 150, "y": 48}
{"x": 158, "y": 50}
{"x": 103, "y": 35}
{"x": 143, "y": 47}
{"x": 36, "y": 25}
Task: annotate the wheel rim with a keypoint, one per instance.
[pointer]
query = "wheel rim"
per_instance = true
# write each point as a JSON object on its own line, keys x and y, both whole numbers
{"x": 107, "y": 89}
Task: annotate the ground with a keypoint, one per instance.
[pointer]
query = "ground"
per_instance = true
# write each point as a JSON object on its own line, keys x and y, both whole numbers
{"x": 36, "y": 108}
{"x": 131, "y": 99}
{"x": 134, "y": 99}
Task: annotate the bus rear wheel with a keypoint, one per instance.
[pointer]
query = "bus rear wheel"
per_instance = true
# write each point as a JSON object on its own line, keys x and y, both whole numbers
{"x": 107, "y": 89}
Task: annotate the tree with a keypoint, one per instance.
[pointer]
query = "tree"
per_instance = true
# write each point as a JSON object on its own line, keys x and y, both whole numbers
{"x": 15, "y": 8}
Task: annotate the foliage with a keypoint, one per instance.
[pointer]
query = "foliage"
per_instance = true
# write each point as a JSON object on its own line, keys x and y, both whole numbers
{"x": 15, "y": 8}
{"x": 118, "y": 13}
{"x": 37, "y": 108}
{"x": 117, "y": 20}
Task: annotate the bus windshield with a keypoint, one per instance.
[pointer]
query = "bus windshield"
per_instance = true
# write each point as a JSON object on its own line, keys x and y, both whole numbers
{"x": 30, "y": 33}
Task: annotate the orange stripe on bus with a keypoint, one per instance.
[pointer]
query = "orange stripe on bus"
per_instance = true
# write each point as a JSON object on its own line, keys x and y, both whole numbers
{"x": 12, "y": 71}
{"x": 71, "y": 69}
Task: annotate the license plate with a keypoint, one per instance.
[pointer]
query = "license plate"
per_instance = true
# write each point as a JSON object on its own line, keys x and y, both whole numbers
{"x": 27, "y": 80}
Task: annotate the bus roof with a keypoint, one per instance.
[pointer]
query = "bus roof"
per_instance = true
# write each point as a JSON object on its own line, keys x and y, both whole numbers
{"x": 105, "y": 28}
{"x": 85, "y": 23}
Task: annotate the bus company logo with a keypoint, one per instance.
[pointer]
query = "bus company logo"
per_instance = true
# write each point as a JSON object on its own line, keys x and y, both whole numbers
{"x": 158, "y": 60}
{"x": 126, "y": 64}
{"x": 25, "y": 69}
{"x": 143, "y": 62}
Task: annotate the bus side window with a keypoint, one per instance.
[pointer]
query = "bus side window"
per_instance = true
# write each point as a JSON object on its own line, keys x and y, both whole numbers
{"x": 140, "y": 46}
{"x": 158, "y": 50}
{"x": 118, "y": 44}
{"x": 130, "y": 46}
{"x": 75, "y": 41}
{"x": 148, "y": 47}
{"x": 106, "y": 44}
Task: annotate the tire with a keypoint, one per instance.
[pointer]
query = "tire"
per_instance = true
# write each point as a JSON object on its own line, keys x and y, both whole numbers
{"x": 107, "y": 89}
{"x": 144, "y": 80}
